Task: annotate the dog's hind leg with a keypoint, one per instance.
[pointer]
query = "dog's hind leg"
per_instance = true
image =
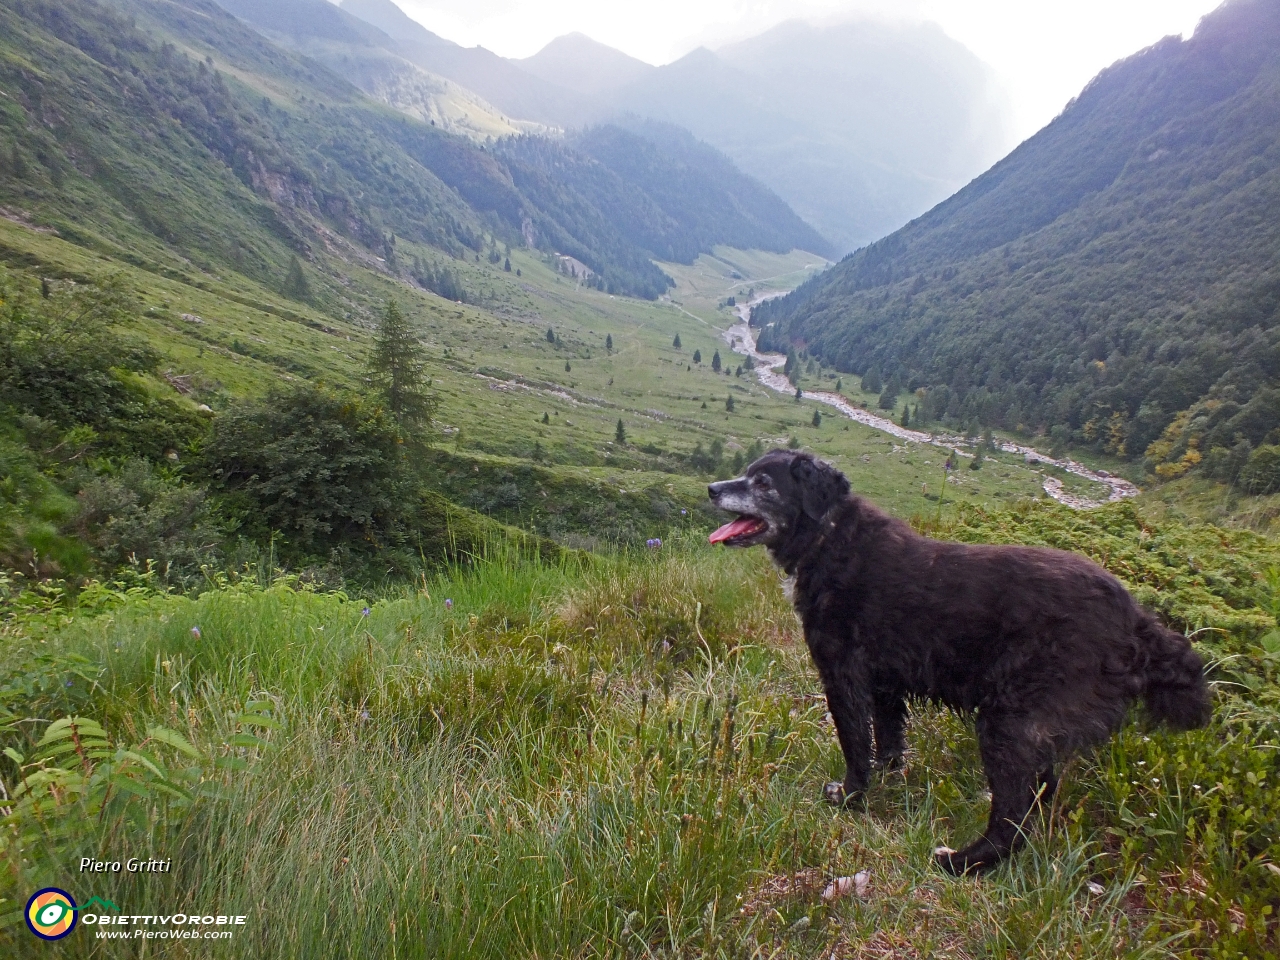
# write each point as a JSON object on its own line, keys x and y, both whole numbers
{"x": 889, "y": 722}
{"x": 1020, "y": 776}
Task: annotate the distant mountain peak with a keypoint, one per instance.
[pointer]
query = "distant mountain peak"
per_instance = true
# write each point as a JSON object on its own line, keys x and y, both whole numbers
{"x": 587, "y": 66}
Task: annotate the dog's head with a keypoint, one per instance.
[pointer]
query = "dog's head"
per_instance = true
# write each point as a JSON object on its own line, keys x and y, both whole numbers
{"x": 778, "y": 493}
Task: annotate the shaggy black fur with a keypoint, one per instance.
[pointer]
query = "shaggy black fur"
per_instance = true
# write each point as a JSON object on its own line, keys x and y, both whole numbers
{"x": 1045, "y": 646}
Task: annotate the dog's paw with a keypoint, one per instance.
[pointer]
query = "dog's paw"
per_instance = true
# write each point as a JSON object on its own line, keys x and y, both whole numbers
{"x": 942, "y": 856}
{"x": 836, "y": 794}
{"x": 960, "y": 863}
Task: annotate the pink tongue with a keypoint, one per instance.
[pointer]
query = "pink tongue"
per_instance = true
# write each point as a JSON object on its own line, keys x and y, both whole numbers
{"x": 736, "y": 528}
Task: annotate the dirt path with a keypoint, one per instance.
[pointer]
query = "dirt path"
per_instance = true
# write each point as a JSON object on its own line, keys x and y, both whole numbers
{"x": 741, "y": 339}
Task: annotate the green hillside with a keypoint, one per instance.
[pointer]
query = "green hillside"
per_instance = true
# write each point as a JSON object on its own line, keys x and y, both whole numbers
{"x": 1113, "y": 283}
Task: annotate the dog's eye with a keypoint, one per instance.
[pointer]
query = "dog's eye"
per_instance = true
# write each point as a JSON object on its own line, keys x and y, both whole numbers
{"x": 762, "y": 480}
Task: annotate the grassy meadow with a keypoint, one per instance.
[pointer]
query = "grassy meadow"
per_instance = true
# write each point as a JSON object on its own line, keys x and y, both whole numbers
{"x": 611, "y": 757}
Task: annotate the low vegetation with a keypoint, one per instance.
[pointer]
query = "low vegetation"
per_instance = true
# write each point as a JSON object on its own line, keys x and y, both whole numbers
{"x": 614, "y": 757}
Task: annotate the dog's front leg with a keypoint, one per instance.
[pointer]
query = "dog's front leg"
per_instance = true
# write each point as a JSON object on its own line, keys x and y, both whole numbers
{"x": 849, "y": 699}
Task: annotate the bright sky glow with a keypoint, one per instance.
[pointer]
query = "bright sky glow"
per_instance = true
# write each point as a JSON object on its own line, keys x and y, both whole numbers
{"x": 1043, "y": 52}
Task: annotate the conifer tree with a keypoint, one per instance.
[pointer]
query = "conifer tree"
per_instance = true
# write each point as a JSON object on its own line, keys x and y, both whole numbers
{"x": 620, "y": 435}
{"x": 697, "y": 356}
{"x": 715, "y": 362}
{"x": 676, "y": 342}
{"x": 817, "y": 418}
{"x": 296, "y": 286}
{"x": 396, "y": 372}
{"x": 608, "y": 342}
{"x": 551, "y": 335}
{"x": 728, "y": 403}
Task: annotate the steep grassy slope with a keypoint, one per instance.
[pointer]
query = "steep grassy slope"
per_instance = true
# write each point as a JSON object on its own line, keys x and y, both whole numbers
{"x": 1115, "y": 274}
{"x": 119, "y": 140}
{"x": 182, "y": 135}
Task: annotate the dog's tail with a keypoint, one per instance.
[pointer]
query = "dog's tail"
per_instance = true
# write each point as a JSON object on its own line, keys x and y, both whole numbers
{"x": 1175, "y": 689}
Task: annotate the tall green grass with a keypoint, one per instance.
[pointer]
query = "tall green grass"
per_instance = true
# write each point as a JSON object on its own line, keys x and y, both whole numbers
{"x": 599, "y": 758}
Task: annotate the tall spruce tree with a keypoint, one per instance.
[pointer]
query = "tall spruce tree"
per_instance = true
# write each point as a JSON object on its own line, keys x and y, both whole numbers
{"x": 395, "y": 372}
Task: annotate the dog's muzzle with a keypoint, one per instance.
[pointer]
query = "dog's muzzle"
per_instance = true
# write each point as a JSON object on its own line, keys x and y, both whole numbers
{"x": 735, "y": 495}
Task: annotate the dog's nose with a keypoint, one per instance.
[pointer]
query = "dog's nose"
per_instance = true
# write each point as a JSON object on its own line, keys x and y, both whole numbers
{"x": 711, "y": 490}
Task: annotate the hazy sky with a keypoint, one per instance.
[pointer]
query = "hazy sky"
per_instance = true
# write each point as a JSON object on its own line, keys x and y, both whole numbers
{"x": 1043, "y": 51}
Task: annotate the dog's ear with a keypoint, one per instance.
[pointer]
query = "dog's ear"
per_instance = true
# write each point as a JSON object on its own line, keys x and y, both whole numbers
{"x": 821, "y": 485}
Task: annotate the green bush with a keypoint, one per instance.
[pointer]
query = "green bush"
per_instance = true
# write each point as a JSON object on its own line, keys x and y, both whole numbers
{"x": 321, "y": 468}
{"x": 141, "y": 516}
{"x": 1261, "y": 474}
{"x": 63, "y": 361}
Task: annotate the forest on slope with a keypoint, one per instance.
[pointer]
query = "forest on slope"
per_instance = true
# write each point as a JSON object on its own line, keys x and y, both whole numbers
{"x": 1113, "y": 283}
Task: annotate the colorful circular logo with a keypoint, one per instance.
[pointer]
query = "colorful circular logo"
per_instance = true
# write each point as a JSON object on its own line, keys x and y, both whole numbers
{"x": 51, "y": 913}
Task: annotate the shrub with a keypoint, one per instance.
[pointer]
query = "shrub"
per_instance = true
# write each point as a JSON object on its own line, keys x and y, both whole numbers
{"x": 139, "y": 514}
{"x": 322, "y": 468}
{"x": 62, "y": 360}
{"x": 1261, "y": 474}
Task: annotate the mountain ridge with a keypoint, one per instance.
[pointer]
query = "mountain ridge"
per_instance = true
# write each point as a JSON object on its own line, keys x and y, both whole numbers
{"x": 577, "y": 62}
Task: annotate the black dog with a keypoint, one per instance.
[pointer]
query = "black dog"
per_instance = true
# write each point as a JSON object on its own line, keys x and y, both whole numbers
{"x": 1045, "y": 646}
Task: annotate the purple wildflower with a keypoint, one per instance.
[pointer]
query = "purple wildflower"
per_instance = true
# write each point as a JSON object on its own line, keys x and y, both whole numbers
{"x": 364, "y": 612}
{"x": 448, "y": 604}
{"x": 195, "y": 632}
